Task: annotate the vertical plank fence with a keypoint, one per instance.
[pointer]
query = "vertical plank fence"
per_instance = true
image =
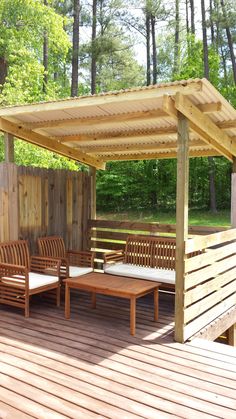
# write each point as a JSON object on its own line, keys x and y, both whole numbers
{"x": 37, "y": 202}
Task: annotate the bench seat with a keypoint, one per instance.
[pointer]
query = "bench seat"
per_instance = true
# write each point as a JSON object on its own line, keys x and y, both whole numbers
{"x": 164, "y": 276}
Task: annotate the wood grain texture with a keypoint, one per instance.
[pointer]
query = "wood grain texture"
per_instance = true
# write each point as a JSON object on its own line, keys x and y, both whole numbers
{"x": 90, "y": 366}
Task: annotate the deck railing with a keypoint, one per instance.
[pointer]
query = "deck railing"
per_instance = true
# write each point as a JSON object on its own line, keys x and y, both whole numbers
{"x": 107, "y": 235}
{"x": 210, "y": 280}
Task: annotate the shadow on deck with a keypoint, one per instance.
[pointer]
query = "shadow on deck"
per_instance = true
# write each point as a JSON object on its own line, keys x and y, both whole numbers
{"x": 90, "y": 366}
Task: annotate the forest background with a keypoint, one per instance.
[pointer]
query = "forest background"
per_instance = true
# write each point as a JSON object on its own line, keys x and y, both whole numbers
{"x": 53, "y": 49}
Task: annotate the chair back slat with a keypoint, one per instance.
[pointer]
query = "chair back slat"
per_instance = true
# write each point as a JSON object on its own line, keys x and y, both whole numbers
{"x": 15, "y": 253}
{"x": 153, "y": 252}
{"x": 52, "y": 246}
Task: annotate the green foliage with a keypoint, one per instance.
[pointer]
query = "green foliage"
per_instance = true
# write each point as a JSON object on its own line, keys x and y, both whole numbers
{"x": 29, "y": 155}
{"x": 152, "y": 185}
{"x": 22, "y": 27}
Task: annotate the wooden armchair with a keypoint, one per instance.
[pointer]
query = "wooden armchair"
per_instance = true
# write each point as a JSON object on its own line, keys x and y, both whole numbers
{"x": 22, "y": 276}
{"x": 73, "y": 263}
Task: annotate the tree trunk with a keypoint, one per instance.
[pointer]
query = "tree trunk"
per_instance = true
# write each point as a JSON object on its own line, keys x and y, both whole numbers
{"x": 191, "y": 2}
{"x": 204, "y": 38}
{"x": 223, "y": 58}
{"x": 75, "y": 49}
{"x": 230, "y": 42}
{"x": 45, "y": 56}
{"x": 176, "y": 49}
{"x": 148, "y": 48}
{"x": 154, "y": 50}
{"x": 187, "y": 16}
{"x": 93, "y": 55}
{"x": 3, "y": 71}
{"x": 206, "y": 74}
{"x": 213, "y": 38}
{"x": 212, "y": 184}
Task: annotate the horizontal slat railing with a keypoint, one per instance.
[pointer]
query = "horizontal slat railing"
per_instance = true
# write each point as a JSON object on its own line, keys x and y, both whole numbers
{"x": 210, "y": 280}
{"x": 107, "y": 235}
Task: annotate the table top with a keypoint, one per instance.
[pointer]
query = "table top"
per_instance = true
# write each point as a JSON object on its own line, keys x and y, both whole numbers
{"x": 99, "y": 281}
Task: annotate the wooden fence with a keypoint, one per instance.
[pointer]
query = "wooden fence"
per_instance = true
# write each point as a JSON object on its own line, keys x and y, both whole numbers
{"x": 209, "y": 281}
{"x": 41, "y": 202}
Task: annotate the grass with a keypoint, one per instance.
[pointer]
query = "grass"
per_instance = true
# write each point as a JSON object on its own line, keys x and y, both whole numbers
{"x": 200, "y": 218}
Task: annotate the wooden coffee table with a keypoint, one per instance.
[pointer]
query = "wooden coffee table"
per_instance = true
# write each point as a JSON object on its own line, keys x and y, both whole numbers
{"x": 117, "y": 286}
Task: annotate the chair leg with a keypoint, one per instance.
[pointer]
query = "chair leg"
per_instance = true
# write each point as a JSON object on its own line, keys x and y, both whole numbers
{"x": 58, "y": 295}
{"x": 27, "y": 307}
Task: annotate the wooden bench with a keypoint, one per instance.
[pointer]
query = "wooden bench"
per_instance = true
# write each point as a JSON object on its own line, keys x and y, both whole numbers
{"x": 22, "y": 276}
{"x": 145, "y": 257}
{"x": 73, "y": 263}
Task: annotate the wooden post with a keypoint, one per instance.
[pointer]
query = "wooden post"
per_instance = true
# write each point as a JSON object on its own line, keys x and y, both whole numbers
{"x": 9, "y": 222}
{"x": 92, "y": 172}
{"x": 9, "y": 148}
{"x": 233, "y": 194}
{"x": 232, "y": 335}
{"x": 181, "y": 222}
{"x": 231, "y": 332}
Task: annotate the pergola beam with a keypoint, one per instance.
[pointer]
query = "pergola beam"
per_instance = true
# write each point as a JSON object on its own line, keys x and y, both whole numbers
{"x": 152, "y": 156}
{"x": 205, "y": 127}
{"x": 121, "y": 135}
{"x": 200, "y": 124}
{"x": 102, "y": 119}
{"x": 49, "y": 144}
{"x": 152, "y": 147}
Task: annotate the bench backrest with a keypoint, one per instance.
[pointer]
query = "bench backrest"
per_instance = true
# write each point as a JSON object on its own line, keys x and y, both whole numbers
{"x": 153, "y": 252}
{"x": 15, "y": 253}
{"x": 52, "y": 246}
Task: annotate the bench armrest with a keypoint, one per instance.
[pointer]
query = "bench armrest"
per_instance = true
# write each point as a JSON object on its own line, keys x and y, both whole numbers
{"x": 14, "y": 275}
{"x": 80, "y": 258}
{"x": 45, "y": 265}
{"x": 113, "y": 257}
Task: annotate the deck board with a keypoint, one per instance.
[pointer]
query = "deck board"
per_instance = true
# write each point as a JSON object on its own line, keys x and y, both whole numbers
{"x": 90, "y": 366}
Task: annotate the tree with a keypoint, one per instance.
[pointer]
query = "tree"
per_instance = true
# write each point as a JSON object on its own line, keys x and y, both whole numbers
{"x": 229, "y": 37}
{"x": 75, "y": 49}
{"x": 22, "y": 28}
{"x": 45, "y": 56}
{"x": 192, "y": 9}
{"x": 177, "y": 46}
{"x": 93, "y": 48}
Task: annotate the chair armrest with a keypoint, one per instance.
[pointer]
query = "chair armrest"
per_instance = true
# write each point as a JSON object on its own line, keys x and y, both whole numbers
{"x": 80, "y": 258}
{"x": 14, "y": 275}
{"x": 113, "y": 257}
{"x": 45, "y": 265}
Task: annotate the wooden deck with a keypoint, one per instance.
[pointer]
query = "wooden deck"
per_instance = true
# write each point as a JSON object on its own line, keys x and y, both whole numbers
{"x": 90, "y": 366}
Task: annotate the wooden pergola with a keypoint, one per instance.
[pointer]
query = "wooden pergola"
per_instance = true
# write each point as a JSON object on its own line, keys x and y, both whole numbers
{"x": 179, "y": 120}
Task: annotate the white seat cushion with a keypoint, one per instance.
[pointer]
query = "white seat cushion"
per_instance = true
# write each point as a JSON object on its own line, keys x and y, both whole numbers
{"x": 35, "y": 280}
{"x": 39, "y": 280}
{"x": 77, "y": 271}
{"x": 140, "y": 272}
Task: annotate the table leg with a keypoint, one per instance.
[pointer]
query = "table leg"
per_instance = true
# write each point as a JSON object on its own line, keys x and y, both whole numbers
{"x": 67, "y": 302}
{"x": 93, "y": 299}
{"x": 132, "y": 315}
{"x": 156, "y": 304}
